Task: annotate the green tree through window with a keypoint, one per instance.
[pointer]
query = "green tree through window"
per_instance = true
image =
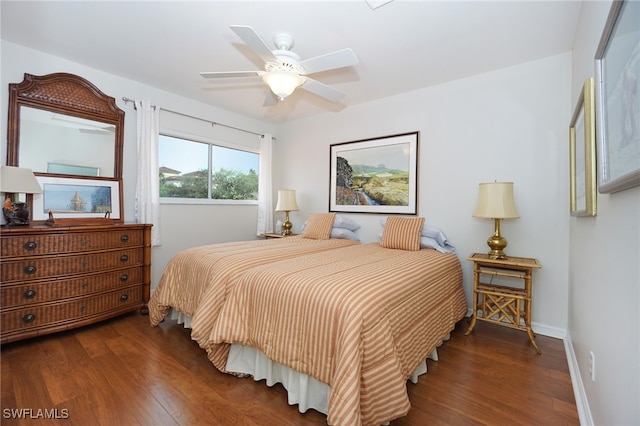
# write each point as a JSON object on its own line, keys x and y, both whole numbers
{"x": 185, "y": 164}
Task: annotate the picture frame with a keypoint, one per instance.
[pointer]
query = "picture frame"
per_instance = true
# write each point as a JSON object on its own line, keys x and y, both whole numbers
{"x": 77, "y": 199}
{"x": 582, "y": 154}
{"x": 618, "y": 99}
{"x": 377, "y": 175}
{"x": 70, "y": 169}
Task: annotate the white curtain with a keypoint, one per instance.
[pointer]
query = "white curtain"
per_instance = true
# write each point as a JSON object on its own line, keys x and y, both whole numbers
{"x": 265, "y": 190}
{"x": 148, "y": 182}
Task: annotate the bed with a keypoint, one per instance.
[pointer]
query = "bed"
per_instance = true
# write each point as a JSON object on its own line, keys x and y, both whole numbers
{"x": 195, "y": 272}
{"x": 359, "y": 319}
{"x": 342, "y": 325}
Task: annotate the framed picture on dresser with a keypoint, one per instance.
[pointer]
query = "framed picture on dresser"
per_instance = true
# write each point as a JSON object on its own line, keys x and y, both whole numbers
{"x": 78, "y": 198}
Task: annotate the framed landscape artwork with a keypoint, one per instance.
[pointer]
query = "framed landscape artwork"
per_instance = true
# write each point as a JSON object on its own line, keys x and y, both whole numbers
{"x": 378, "y": 175}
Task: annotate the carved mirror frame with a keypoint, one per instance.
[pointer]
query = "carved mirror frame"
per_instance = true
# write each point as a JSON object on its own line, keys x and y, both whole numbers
{"x": 68, "y": 94}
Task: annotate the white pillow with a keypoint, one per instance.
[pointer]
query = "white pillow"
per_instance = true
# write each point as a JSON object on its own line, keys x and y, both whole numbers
{"x": 426, "y": 242}
{"x": 343, "y": 233}
{"x": 435, "y": 233}
{"x": 345, "y": 222}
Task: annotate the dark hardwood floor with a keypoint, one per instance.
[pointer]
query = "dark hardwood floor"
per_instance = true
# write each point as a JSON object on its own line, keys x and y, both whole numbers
{"x": 124, "y": 372}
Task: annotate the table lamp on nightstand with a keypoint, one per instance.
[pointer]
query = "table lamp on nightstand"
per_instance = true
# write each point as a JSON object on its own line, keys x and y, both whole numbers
{"x": 495, "y": 201}
{"x": 286, "y": 203}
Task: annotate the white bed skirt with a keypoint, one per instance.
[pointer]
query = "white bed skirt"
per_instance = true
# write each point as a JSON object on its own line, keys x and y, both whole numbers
{"x": 303, "y": 390}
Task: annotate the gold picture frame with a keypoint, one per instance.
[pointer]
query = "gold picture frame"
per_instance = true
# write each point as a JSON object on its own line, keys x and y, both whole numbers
{"x": 582, "y": 154}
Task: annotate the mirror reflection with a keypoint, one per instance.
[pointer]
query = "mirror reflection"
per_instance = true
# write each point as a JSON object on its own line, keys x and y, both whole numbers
{"x": 51, "y": 142}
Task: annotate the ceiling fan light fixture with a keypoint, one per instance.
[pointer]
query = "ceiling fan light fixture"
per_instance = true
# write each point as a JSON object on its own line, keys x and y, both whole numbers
{"x": 282, "y": 83}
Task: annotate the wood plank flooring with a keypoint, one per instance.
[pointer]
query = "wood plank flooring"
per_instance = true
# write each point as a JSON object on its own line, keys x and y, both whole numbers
{"x": 124, "y": 372}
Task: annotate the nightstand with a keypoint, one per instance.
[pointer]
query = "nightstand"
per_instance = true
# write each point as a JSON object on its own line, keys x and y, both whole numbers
{"x": 499, "y": 303}
{"x": 273, "y": 235}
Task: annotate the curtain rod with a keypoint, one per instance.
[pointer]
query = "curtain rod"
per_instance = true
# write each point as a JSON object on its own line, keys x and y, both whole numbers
{"x": 213, "y": 123}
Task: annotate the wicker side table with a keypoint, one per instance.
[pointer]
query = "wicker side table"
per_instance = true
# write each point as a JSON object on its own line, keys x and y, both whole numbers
{"x": 506, "y": 305}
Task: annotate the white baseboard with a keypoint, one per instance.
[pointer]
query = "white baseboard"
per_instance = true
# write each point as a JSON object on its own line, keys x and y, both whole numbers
{"x": 545, "y": 330}
{"x": 582, "y": 404}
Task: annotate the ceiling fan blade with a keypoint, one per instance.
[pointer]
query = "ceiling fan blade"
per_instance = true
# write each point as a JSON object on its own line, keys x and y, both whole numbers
{"x": 255, "y": 42}
{"x": 225, "y": 74}
{"x": 330, "y": 61}
{"x": 321, "y": 89}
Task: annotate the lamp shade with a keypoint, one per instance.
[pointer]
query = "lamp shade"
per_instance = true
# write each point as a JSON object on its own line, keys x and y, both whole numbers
{"x": 282, "y": 83}
{"x": 18, "y": 180}
{"x": 286, "y": 201}
{"x": 495, "y": 201}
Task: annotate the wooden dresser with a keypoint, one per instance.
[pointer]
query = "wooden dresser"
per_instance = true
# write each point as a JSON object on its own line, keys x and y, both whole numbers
{"x": 56, "y": 278}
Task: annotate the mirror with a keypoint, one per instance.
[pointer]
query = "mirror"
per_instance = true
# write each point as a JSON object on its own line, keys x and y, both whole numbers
{"x": 41, "y": 151}
{"x": 61, "y": 123}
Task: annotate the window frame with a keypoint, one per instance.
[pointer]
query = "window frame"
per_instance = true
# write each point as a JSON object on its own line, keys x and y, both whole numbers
{"x": 209, "y": 141}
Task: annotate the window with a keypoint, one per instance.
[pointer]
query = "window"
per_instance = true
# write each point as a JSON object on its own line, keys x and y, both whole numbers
{"x": 192, "y": 169}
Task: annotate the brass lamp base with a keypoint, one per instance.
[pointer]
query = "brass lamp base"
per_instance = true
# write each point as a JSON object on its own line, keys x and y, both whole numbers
{"x": 497, "y": 243}
{"x": 286, "y": 226}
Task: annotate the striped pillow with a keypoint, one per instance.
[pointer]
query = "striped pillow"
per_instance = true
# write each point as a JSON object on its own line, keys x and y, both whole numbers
{"x": 319, "y": 226}
{"x": 402, "y": 233}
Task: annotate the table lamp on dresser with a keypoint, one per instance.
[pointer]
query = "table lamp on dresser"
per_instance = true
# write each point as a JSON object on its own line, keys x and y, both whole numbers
{"x": 17, "y": 180}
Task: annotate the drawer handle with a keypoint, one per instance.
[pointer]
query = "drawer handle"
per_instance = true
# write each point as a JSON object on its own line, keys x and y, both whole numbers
{"x": 124, "y": 277}
{"x": 124, "y": 297}
{"x": 124, "y": 238}
{"x": 30, "y": 245}
{"x": 30, "y": 269}
{"x": 28, "y": 318}
{"x": 124, "y": 258}
{"x": 29, "y": 294}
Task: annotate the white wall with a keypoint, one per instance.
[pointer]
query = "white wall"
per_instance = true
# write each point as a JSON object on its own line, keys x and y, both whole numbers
{"x": 604, "y": 276}
{"x": 508, "y": 125}
{"x": 182, "y": 225}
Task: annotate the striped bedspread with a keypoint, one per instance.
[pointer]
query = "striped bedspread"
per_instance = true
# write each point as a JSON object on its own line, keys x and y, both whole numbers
{"x": 194, "y": 272}
{"x": 359, "y": 319}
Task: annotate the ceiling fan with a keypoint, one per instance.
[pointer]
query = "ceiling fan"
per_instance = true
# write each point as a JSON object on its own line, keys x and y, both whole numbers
{"x": 284, "y": 71}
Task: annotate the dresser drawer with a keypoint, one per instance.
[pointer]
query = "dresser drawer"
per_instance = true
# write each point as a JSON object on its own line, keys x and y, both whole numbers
{"x": 75, "y": 310}
{"x": 70, "y": 242}
{"x": 59, "y": 266}
{"x": 55, "y": 289}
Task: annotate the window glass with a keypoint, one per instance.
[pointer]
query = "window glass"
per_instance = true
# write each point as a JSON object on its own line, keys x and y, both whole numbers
{"x": 199, "y": 170}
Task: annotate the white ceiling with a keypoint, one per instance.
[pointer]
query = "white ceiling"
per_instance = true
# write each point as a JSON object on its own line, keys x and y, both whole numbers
{"x": 402, "y": 45}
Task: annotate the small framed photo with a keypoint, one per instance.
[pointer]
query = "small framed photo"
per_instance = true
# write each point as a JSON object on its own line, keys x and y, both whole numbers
{"x": 582, "y": 154}
{"x": 78, "y": 199}
{"x": 378, "y": 175}
{"x": 618, "y": 99}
